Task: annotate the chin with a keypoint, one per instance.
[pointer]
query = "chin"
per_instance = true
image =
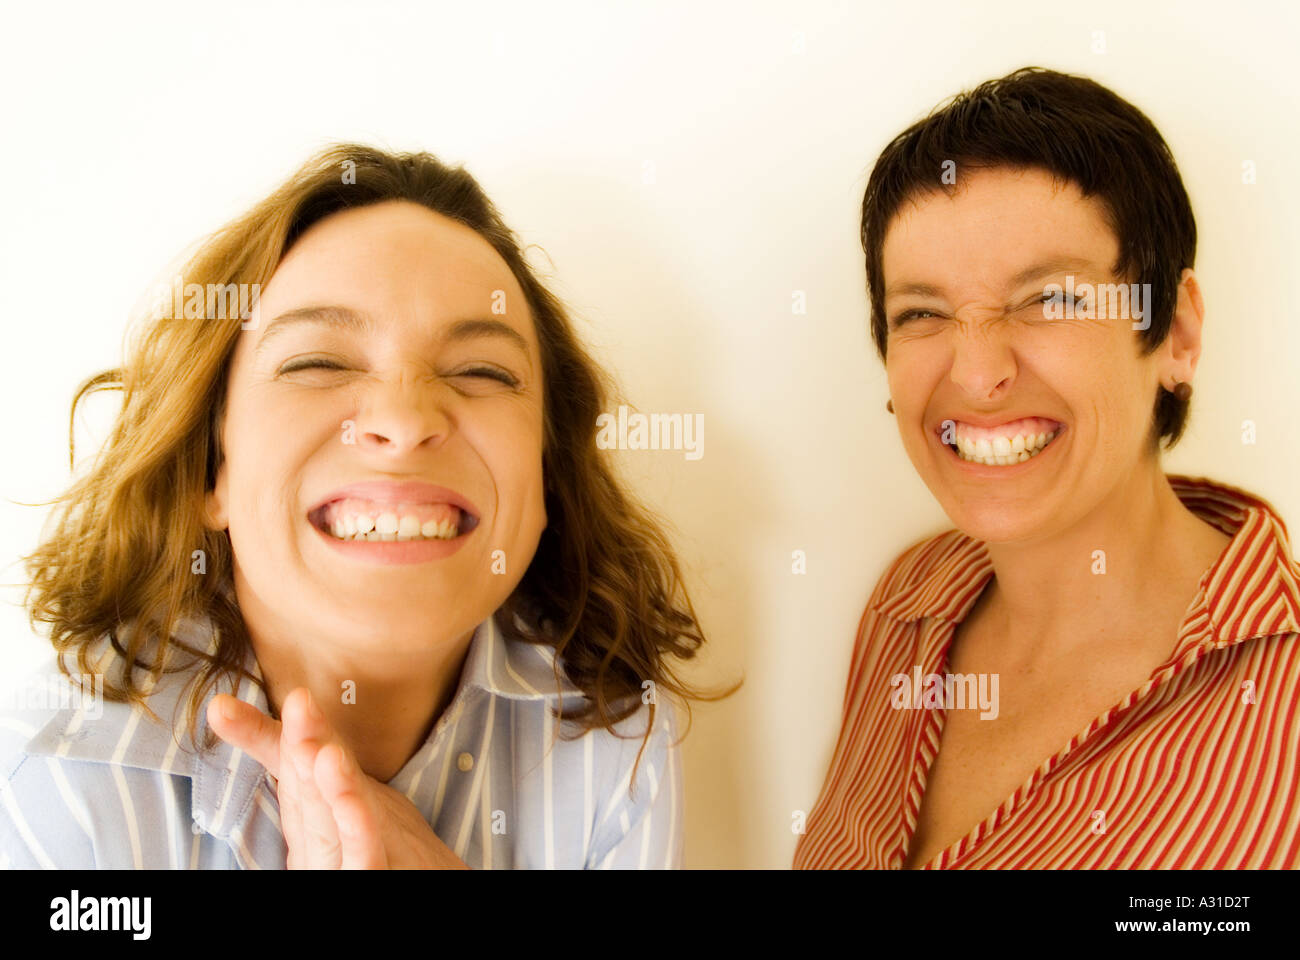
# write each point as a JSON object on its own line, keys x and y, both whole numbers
{"x": 994, "y": 523}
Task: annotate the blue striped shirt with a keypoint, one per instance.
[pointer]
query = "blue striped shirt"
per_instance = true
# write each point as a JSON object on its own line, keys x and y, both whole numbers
{"x": 98, "y": 784}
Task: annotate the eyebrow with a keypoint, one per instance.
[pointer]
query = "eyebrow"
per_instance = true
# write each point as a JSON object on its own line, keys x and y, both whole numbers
{"x": 350, "y": 319}
{"x": 1043, "y": 268}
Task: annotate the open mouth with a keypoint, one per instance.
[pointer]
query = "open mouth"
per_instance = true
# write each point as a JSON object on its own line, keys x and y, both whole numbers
{"x": 353, "y": 519}
{"x": 1005, "y": 445}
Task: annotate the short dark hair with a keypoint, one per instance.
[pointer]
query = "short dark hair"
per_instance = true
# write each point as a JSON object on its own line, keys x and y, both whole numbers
{"x": 1080, "y": 132}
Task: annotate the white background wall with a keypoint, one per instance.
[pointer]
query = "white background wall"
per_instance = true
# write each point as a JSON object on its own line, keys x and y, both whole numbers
{"x": 687, "y": 167}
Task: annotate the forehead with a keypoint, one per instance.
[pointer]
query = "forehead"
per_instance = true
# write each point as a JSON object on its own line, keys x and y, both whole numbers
{"x": 395, "y": 259}
{"x": 994, "y": 223}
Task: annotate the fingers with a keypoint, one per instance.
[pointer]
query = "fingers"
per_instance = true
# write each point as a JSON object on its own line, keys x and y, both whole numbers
{"x": 289, "y": 749}
{"x": 304, "y": 733}
{"x": 355, "y": 808}
{"x": 288, "y": 791}
{"x": 247, "y": 728}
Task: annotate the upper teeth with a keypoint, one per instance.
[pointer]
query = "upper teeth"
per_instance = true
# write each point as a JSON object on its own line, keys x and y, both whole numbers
{"x": 1004, "y": 451}
{"x": 389, "y": 526}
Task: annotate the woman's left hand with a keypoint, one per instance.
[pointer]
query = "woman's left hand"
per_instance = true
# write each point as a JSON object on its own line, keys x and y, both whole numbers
{"x": 333, "y": 815}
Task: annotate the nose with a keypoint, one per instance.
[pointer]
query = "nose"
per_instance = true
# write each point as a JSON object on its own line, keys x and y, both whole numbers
{"x": 983, "y": 362}
{"x": 402, "y": 413}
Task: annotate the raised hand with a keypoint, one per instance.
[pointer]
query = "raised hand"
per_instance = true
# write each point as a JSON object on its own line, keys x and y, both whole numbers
{"x": 334, "y": 816}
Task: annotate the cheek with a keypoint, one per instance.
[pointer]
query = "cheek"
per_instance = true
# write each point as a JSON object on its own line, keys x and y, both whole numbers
{"x": 906, "y": 372}
{"x": 521, "y": 474}
{"x": 914, "y": 371}
{"x": 510, "y": 445}
{"x": 265, "y": 446}
{"x": 1093, "y": 382}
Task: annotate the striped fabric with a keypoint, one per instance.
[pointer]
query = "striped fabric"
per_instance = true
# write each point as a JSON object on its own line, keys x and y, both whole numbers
{"x": 1197, "y": 768}
{"x": 119, "y": 791}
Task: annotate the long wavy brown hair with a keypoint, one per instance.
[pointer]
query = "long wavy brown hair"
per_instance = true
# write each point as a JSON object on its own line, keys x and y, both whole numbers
{"x": 604, "y": 588}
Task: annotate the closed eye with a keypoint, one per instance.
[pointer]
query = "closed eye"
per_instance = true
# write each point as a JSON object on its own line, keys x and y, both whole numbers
{"x": 490, "y": 373}
{"x": 310, "y": 364}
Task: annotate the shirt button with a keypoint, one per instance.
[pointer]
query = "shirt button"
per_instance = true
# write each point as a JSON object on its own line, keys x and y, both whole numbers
{"x": 465, "y": 762}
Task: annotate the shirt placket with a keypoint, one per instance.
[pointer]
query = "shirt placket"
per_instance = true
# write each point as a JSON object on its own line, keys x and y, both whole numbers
{"x": 1189, "y": 648}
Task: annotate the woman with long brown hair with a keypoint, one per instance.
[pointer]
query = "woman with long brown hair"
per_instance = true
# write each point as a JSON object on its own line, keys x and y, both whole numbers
{"x": 355, "y": 483}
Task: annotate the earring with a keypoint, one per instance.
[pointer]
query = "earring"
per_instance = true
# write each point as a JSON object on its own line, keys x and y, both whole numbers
{"x": 889, "y": 405}
{"x": 1183, "y": 391}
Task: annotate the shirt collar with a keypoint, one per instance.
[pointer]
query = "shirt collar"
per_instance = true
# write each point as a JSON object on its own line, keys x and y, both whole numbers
{"x": 225, "y": 779}
{"x": 953, "y": 555}
{"x": 512, "y": 668}
{"x": 1253, "y": 589}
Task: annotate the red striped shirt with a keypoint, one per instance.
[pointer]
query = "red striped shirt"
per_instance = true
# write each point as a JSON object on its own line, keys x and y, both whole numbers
{"x": 1189, "y": 771}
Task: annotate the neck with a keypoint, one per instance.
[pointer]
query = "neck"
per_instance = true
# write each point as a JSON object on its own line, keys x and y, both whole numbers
{"x": 1115, "y": 574}
{"x": 382, "y": 696}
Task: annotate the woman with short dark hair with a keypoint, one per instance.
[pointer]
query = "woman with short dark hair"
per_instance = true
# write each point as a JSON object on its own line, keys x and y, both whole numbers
{"x": 1098, "y": 667}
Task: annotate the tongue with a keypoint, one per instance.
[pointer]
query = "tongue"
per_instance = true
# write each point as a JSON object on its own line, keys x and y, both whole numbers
{"x": 423, "y": 512}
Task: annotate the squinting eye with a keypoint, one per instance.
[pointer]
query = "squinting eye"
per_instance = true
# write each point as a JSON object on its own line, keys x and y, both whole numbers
{"x": 490, "y": 373}
{"x": 1062, "y": 300}
{"x": 910, "y": 315}
{"x": 310, "y": 364}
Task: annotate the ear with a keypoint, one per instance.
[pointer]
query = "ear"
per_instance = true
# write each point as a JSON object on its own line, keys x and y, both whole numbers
{"x": 1182, "y": 348}
{"x": 216, "y": 515}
